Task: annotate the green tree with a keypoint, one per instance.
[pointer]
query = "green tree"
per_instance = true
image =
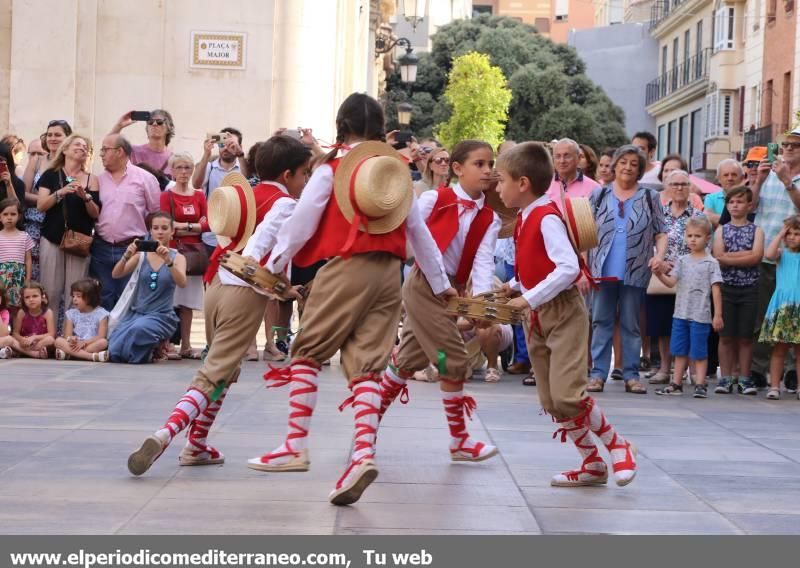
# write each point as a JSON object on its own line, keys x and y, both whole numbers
{"x": 544, "y": 78}
{"x": 479, "y": 98}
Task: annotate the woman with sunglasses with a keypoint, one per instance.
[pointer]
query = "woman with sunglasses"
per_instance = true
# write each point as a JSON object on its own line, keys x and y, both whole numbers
{"x": 40, "y": 154}
{"x": 631, "y": 226}
{"x": 144, "y": 316}
{"x": 160, "y": 131}
{"x": 436, "y": 172}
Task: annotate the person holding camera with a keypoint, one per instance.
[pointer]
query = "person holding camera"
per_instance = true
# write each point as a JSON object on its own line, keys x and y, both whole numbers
{"x": 145, "y": 317}
{"x": 160, "y": 131}
{"x": 208, "y": 173}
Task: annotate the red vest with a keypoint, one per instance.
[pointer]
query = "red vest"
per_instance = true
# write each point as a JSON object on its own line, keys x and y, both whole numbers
{"x": 443, "y": 224}
{"x": 532, "y": 264}
{"x": 333, "y": 229}
{"x": 266, "y": 195}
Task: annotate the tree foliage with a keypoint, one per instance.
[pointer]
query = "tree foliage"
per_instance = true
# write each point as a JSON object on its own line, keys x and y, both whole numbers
{"x": 479, "y": 98}
{"x": 552, "y": 96}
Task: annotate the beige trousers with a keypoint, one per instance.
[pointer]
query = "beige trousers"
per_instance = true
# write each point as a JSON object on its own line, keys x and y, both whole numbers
{"x": 557, "y": 347}
{"x": 233, "y": 315}
{"x": 429, "y": 332}
{"x": 354, "y": 306}
{"x": 58, "y": 272}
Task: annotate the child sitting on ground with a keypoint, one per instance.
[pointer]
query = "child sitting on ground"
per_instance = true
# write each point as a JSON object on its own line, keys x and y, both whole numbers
{"x": 698, "y": 277}
{"x": 34, "y": 325}
{"x": 6, "y": 341}
{"x": 85, "y": 325}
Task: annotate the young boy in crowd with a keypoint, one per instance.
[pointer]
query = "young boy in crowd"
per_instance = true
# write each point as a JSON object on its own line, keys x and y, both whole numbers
{"x": 739, "y": 248}
{"x": 698, "y": 278}
{"x": 557, "y": 332}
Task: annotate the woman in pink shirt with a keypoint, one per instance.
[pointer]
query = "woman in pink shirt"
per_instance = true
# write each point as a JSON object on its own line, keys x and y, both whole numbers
{"x": 160, "y": 131}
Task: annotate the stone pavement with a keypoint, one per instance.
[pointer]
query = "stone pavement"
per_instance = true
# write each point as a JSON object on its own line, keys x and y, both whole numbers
{"x": 725, "y": 465}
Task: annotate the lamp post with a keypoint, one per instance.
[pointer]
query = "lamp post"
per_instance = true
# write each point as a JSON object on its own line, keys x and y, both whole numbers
{"x": 404, "y": 115}
{"x": 414, "y": 11}
{"x": 408, "y": 61}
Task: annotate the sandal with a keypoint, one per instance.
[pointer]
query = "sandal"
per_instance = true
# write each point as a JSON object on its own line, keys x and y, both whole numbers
{"x": 189, "y": 354}
{"x": 635, "y": 387}
{"x": 100, "y": 357}
{"x": 529, "y": 381}
{"x": 61, "y": 355}
{"x": 595, "y": 385}
{"x": 274, "y": 354}
{"x": 492, "y": 376}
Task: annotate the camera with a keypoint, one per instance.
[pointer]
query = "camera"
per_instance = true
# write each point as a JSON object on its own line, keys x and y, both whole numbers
{"x": 146, "y": 246}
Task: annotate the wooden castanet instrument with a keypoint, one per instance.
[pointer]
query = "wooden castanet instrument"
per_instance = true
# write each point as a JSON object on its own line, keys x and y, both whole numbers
{"x": 485, "y": 307}
{"x": 255, "y": 275}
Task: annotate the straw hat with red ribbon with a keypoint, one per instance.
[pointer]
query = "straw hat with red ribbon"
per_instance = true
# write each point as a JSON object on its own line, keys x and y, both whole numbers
{"x": 373, "y": 189}
{"x": 232, "y": 212}
{"x": 580, "y": 221}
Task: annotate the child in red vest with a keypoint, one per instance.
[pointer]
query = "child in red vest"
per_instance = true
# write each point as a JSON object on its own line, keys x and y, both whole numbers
{"x": 354, "y": 303}
{"x": 233, "y": 309}
{"x": 465, "y": 230}
{"x": 547, "y": 268}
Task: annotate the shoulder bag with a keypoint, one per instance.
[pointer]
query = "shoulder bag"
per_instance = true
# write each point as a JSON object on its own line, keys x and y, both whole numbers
{"x": 74, "y": 242}
{"x": 195, "y": 253}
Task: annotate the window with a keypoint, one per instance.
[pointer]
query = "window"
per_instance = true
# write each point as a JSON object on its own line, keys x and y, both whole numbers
{"x": 787, "y": 101}
{"x": 674, "y": 64}
{"x": 664, "y": 60}
{"x": 756, "y": 15}
{"x": 772, "y": 8}
{"x": 754, "y": 118}
{"x": 662, "y": 141}
{"x": 672, "y": 136}
{"x": 696, "y": 139}
{"x": 561, "y": 10}
{"x": 686, "y": 56}
{"x": 719, "y": 114}
{"x": 542, "y": 24}
{"x": 478, "y": 9}
{"x": 769, "y": 92}
{"x": 723, "y": 28}
{"x": 698, "y": 51}
{"x": 683, "y": 137}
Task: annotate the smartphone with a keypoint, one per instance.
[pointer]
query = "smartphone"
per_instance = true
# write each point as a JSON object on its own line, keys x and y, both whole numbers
{"x": 140, "y": 115}
{"x": 403, "y": 136}
{"x": 70, "y": 179}
{"x": 146, "y": 246}
{"x": 772, "y": 151}
{"x": 293, "y": 133}
{"x": 216, "y": 136}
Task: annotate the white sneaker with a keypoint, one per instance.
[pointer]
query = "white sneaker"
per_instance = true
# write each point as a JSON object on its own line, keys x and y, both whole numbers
{"x": 101, "y": 357}
{"x": 355, "y": 480}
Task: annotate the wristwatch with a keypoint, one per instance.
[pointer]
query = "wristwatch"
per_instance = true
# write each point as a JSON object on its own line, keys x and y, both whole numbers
{"x": 189, "y": 227}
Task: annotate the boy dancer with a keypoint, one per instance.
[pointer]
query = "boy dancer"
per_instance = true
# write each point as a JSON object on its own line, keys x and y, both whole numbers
{"x": 233, "y": 309}
{"x": 546, "y": 270}
{"x": 465, "y": 230}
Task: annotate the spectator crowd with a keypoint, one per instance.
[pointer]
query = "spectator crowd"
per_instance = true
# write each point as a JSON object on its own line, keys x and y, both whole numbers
{"x": 692, "y": 281}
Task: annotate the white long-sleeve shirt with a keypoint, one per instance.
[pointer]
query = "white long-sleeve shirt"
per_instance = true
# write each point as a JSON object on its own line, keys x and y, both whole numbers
{"x": 264, "y": 237}
{"x": 559, "y": 249}
{"x": 483, "y": 266}
{"x": 308, "y": 212}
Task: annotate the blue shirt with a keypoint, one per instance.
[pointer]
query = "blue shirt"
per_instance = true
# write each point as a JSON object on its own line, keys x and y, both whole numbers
{"x": 614, "y": 265}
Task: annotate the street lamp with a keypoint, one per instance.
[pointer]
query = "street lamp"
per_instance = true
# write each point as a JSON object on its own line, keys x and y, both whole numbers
{"x": 408, "y": 61}
{"x": 414, "y": 11}
{"x": 404, "y": 115}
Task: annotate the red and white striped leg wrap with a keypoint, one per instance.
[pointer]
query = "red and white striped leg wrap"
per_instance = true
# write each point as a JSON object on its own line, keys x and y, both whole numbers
{"x": 196, "y": 448}
{"x": 189, "y": 407}
{"x": 462, "y": 446}
{"x": 302, "y": 379}
{"x": 623, "y": 453}
{"x": 366, "y": 401}
{"x": 593, "y": 470}
{"x": 392, "y": 385}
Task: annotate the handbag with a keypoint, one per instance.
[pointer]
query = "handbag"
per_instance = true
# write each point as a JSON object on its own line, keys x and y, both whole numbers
{"x": 195, "y": 253}
{"x": 74, "y": 242}
{"x": 123, "y": 305}
{"x": 657, "y": 288}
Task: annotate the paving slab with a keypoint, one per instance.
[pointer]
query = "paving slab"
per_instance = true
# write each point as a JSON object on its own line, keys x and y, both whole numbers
{"x": 724, "y": 465}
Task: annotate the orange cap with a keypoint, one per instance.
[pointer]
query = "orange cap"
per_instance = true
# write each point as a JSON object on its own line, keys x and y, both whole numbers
{"x": 756, "y": 154}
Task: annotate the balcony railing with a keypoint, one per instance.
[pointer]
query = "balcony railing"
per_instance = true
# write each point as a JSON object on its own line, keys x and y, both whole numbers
{"x": 661, "y": 9}
{"x": 691, "y": 71}
{"x": 759, "y": 136}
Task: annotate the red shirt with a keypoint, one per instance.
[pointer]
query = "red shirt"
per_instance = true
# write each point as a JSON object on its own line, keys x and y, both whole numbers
{"x": 188, "y": 209}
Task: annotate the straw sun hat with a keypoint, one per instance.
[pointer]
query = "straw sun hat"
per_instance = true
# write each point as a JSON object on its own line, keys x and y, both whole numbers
{"x": 580, "y": 223}
{"x": 232, "y": 211}
{"x": 373, "y": 185}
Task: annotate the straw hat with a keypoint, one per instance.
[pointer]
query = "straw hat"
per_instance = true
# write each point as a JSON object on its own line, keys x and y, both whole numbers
{"x": 508, "y": 215}
{"x": 374, "y": 177}
{"x": 580, "y": 223}
{"x": 232, "y": 211}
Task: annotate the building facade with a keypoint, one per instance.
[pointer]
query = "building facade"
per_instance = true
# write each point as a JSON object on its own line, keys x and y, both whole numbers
{"x": 89, "y": 61}
{"x": 553, "y": 18}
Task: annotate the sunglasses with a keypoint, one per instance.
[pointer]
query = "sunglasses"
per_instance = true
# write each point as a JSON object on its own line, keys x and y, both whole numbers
{"x": 751, "y": 164}
{"x": 156, "y": 122}
{"x": 621, "y": 209}
{"x": 790, "y": 145}
{"x": 153, "y": 280}
{"x": 57, "y": 123}
{"x": 441, "y": 161}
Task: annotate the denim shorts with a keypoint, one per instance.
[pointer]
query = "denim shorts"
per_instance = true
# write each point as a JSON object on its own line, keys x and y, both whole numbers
{"x": 689, "y": 338}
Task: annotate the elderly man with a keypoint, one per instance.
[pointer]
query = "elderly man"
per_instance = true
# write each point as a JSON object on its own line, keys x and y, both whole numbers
{"x": 128, "y": 194}
{"x": 566, "y": 153}
{"x": 647, "y": 144}
{"x": 207, "y": 176}
{"x": 730, "y": 174}
{"x": 776, "y": 196}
